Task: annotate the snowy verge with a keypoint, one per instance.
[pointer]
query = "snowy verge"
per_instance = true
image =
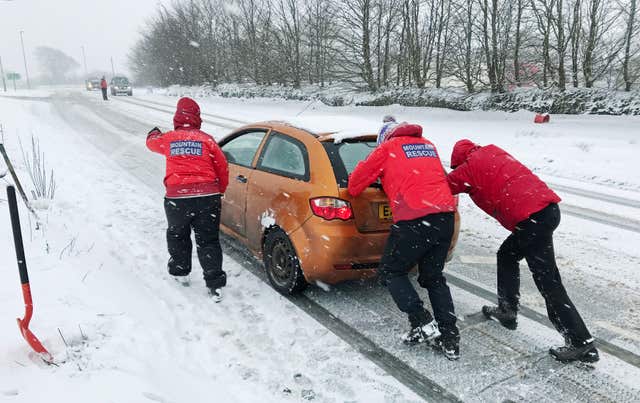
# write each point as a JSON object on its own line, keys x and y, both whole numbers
{"x": 571, "y": 101}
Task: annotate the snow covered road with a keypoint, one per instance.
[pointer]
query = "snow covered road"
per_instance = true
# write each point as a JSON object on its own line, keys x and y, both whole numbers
{"x": 599, "y": 265}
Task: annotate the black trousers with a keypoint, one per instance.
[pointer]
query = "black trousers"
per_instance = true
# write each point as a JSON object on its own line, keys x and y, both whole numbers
{"x": 533, "y": 240}
{"x": 423, "y": 241}
{"x": 104, "y": 94}
{"x": 203, "y": 215}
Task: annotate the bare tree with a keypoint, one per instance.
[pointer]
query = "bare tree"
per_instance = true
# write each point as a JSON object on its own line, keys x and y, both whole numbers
{"x": 629, "y": 76}
{"x": 544, "y": 17}
{"x": 321, "y": 37}
{"x": 520, "y": 6}
{"x": 496, "y": 22}
{"x": 355, "y": 40}
{"x": 599, "y": 49}
{"x": 466, "y": 56}
{"x": 574, "y": 35}
{"x": 289, "y": 35}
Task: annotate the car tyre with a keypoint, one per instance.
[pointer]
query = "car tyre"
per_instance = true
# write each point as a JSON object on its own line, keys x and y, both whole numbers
{"x": 130, "y": 93}
{"x": 282, "y": 264}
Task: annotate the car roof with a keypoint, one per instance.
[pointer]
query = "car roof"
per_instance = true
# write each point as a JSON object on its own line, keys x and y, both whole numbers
{"x": 334, "y": 136}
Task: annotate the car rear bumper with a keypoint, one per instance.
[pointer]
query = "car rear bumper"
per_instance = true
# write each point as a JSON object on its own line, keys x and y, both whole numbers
{"x": 334, "y": 251}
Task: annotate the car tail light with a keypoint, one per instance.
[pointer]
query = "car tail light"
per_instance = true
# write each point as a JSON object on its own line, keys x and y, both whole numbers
{"x": 331, "y": 208}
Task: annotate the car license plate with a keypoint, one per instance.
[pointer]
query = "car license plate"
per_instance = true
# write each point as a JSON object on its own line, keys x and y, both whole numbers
{"x": 384, "y": 212}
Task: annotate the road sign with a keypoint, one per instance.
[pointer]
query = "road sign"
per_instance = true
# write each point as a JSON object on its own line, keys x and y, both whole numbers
{"x": 13, "y": 76}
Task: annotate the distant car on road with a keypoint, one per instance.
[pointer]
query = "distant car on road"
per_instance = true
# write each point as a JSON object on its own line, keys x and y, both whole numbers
{"x": 287, "y": 201}
{"x": 92, "y": 84}
{"x": 120, "y": 85}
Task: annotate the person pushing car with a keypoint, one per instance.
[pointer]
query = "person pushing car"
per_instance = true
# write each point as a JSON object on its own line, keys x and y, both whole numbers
{"x": 423, "y": 211}
{"x": 508, "y": 191}
{"x": 197, "y": 175}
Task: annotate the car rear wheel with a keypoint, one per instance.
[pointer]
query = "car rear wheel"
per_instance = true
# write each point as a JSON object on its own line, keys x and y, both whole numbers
{"x": 282, "y": 264}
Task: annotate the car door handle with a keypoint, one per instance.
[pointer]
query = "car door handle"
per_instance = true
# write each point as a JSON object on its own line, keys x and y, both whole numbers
{"x": 241, "y": 178}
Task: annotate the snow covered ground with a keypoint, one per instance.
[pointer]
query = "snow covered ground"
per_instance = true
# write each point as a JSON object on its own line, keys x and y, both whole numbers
{"x": 97, "y": 268}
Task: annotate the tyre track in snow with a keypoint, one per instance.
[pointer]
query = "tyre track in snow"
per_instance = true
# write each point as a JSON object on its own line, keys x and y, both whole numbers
{"x": 590, "y": 194}
{"x": 227, "y": 123}
{"x": 392, "y": 365}
{"x": 605, "y": 345}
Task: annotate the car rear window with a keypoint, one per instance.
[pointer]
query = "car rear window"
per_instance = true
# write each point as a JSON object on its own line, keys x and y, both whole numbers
{"x": 345, "y": 156}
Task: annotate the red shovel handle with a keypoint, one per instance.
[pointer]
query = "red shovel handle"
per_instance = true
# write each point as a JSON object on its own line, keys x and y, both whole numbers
{"x": 28, "y": 304}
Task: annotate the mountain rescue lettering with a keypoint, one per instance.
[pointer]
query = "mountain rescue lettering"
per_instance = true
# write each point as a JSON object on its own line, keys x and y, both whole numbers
{"x": 419, "y": 150}
{"x": 186, "y": 148}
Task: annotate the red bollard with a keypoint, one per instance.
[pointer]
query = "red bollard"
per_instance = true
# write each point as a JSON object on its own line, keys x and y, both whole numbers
{"x": 541, "y": 118}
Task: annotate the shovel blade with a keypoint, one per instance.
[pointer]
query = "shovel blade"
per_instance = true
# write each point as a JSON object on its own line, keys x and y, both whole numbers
{"x": 33, "y": 341}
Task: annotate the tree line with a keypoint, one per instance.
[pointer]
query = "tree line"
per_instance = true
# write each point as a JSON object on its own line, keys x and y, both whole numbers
{"x": 477, "y": 44}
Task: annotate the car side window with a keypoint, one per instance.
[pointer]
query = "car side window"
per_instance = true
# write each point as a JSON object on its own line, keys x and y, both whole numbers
{"x": 242, "y": 149}
{"x": 285, "y": 156}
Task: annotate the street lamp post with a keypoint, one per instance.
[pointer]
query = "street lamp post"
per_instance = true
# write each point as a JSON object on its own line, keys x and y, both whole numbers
{"x": 4, "y": 83}
{"x": 24, "y": 56}
{"x": 113, "y": 70}
{"x": 84, "y": 60}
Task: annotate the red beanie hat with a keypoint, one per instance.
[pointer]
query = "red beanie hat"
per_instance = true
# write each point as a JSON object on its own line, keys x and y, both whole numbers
{"x": 461, "y": 151}
{"x": 187, "y": 114}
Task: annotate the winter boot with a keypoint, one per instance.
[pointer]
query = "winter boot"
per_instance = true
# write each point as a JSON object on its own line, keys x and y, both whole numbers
{"x": 184, "y": 281}
{"x": 449, "y": 346}
{"x": 216, "y": 294}
{"x": 585, "y": 353}
{"x": 420, "y": 334}
{"x": 504, "y": 313}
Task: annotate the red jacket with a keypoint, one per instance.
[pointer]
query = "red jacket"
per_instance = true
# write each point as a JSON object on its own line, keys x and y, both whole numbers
{"x": 497, "y": 183}
{"x": 103, "y": 84}
{"x": 196, "y": 165}
{"x": 411, "y": 172}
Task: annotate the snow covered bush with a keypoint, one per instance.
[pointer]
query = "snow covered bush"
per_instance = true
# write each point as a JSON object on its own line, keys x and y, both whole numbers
{"x": 570, "y": 101}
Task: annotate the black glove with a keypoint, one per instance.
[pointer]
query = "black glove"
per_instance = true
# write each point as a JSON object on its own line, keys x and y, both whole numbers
{"x": 155, "y": 130}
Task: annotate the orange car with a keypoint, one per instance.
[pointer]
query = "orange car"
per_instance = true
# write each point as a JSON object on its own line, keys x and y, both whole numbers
{"x": 287, "y": 201}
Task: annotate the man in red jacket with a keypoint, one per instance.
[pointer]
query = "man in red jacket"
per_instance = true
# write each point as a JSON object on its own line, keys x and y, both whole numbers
{"x": 523, "y": 204}
{"x": 103, "y": 88}
{"x": 196, "y": 176}
{"x": 423, "y": 212}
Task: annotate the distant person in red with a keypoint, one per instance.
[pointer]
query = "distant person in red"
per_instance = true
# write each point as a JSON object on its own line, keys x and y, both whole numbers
{"x": 197, "y": 175}
{"x": 103, "y": 87}
{"x": 423, "y": 209}
{"x": 508, "y": 191}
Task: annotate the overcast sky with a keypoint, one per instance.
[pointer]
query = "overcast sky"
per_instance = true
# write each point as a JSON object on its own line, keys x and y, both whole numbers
{"x": 105, "y": 27}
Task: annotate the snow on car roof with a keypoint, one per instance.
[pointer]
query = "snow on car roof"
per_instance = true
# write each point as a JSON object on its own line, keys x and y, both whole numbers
{"x": 336, "y": 128}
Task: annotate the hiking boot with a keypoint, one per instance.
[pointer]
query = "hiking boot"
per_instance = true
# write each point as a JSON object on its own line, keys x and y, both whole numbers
{"x": 585, "y": 353}
{"x": 503, "y": 313}
{"x": 216, "y": 294}
{"x": 423, "y": 333}
{"x": 449, "y": 346}
{"x": 184, "y": 281}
